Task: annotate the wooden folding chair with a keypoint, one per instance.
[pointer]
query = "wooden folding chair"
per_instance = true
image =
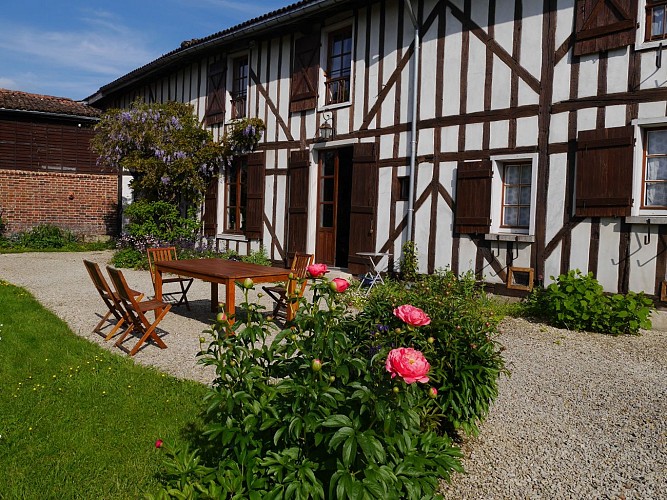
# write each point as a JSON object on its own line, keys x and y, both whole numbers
{"x": 136, "y": 311}
{"x": 111, "y": 300}
{"x": 169, "y": 253}
{"x": 281, "y": 293}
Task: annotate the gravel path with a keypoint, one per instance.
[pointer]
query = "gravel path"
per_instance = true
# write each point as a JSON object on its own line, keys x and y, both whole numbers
{"x": 583, "y": 416}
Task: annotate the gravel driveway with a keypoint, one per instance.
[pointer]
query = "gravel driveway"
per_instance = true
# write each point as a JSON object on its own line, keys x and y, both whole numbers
{"x": 583, "y": 416}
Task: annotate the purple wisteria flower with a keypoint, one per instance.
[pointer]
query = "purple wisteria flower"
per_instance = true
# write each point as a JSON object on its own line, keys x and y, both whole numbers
{"x": 165, "y": 180}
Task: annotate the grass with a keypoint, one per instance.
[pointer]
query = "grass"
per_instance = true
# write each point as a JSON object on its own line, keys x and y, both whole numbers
{"x": 77, "y": 421}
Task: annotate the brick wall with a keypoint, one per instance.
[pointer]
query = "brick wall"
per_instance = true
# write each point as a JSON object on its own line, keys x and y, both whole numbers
{"x": 83, "y": 203}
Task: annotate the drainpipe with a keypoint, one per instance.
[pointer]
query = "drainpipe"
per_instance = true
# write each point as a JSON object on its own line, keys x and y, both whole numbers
{"x": 413, "y": 130}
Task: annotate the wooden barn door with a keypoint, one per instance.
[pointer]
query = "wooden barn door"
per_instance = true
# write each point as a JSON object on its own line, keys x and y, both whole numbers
{"x": 297, "y": 209}
{"x": 363, "y": 204}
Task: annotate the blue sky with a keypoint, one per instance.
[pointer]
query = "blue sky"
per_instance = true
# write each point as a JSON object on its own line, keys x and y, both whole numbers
{"x": 70, "y": 48}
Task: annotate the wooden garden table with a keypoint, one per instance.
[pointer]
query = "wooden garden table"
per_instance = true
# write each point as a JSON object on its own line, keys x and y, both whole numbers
{"x": 220, "y": 271}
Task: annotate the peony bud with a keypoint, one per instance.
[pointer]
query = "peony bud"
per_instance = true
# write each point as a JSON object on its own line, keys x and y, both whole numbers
{"x": 332, "y": 378}
{"x": 222, "y": 316}
{"x": 202, "y": 340}
{"x": 248, "y": 283}
{"x": 316, "y": 365}
{"x": 339, "y": 285}
{"x": 158, "y": 443}
{"x": 430, "y": 340}
{"x": 433, "y": 393}
{"x": 396, "y": 389}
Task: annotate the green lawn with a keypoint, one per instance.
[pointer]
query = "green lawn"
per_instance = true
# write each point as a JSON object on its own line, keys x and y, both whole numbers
{"x": 75, "y": 420}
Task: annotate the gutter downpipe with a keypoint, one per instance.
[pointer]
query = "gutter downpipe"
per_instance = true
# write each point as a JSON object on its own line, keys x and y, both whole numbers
{"x": 413, "y": 129}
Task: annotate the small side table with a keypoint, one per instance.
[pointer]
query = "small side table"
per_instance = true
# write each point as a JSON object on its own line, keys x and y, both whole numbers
{"x": 377, "y": 262}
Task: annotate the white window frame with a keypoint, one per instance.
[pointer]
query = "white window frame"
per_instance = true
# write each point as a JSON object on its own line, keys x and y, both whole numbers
{"x": 324, "y": 62}
{"x": 641, "y": 125}
{"x": 497, "y": 193}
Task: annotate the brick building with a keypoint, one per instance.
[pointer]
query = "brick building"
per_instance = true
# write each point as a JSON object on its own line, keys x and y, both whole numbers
{"x": 48, "y": 173}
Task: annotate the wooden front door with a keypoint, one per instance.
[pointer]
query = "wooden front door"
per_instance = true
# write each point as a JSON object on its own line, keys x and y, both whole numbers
{"x": 333, "y": 207}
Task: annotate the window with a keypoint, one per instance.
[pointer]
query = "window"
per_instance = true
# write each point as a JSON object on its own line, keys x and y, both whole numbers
{"x": 339, "y": 66}
{"x": 654, "y": 181}
{"x": 239, "y": 92}
{"x": 516, "y": 204}
{"x": 235, "y": 196}
{"x": 656, "y": 22}
{"x": 403, "y": 188}
{"x": 497, "y": 196}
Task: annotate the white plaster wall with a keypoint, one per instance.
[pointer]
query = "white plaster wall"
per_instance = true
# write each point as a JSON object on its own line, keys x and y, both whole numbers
{"x": 531, "y": 37}
{"x": 425, "y": 141}
{"x": 504, "y": 28}
{"x": 476, "y": 75}
{"x": 527, "y": 95}
{"x": 586, "y": 119}
{"x": 384, "y": 205}
{"x": 452, "y": 66}
{"x": 386, "y": 146}
{"x": 443, "y": 247}
{"x": 614, "y": 116}
{"x": 643, "y": 258}
{"x": 617, "y": 70}
{"x": 651, "y": 76}
{"x": 551, "y": 266}
{"x": 502, "y": 84}
{"x": 389, "y": 65}
{"x": 479, "y": 13}
{"x": 608, "y": 264}
{"x": 374, "y": 64}
{"x": 561, "y": 82}
{"x": 499, "y": 134}
{"x": 429, "y": 48}
{"x": 359, "y": 69}
{"x": 588, "y": 75}
{"x": 558, "y": 128}
{"x": 467, "y": 254}
{"x": 581, "y": 237}
{"x": 526, "y": 131}
{"x": 474, "y": 135}
{"x": 450, "y": 138}
{"x": 556, "y": 196}
{"x": 423, "y": 216}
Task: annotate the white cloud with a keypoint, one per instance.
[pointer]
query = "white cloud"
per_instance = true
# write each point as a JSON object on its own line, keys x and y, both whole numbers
{"x": 101, "y": 46}
{"x": 8, "y": 83}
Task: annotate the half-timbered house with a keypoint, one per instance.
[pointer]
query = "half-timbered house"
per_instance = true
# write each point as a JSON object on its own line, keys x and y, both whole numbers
{"x": 515, "y": 138}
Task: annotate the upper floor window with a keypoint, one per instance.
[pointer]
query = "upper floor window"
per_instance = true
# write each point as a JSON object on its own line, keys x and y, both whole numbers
{"x": 517, "y": 179}
{"x": 239, "y": 93}
{"x": 339, "y": 66}
{"x": 656, "y": 19}
{"x": 655, "y": 169}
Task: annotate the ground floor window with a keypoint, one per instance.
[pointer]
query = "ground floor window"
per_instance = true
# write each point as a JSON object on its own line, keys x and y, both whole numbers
{"x": 235, "y": 196}
{"x": 655, "y": 169}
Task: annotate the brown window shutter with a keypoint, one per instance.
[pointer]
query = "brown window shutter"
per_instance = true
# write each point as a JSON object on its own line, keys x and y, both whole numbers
{"x": 305, "y": 73}
{"x": 215, "y": 99}
{"x": 473, "y": 197}
{"x": 604, "y": 172}
{"x": 255, "y": 179}
{"x": 604, "y": 25}
{"x": 297, "y": 209}
{"x": 363, "y": 205}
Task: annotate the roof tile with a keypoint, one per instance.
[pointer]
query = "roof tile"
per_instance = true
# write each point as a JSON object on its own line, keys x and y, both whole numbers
{"x": 16, "y": 100}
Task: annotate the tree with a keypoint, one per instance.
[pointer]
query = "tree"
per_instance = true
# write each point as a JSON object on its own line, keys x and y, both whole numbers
{"x": 171, "y": 158}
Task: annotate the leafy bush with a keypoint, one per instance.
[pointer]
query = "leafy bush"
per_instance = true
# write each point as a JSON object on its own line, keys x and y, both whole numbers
{"x": 130, "y": 258}
{"x": 313, "y": 412}
{"x": 409, "y": 262}
{"x": 46, "y": 236}
{"x": 578, "y": 302}
{"x": 159, "y": 221}
{"x": 460, "y": 335}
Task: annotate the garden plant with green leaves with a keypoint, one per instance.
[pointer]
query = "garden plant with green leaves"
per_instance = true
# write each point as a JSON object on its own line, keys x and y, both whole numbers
{"x": 339, "y": 404}
{"x": 577, "y": 301}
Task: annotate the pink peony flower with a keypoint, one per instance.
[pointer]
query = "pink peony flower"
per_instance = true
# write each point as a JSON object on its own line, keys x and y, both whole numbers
{"x": 317, "y": 270}
{"x": 158, "y": 443}
{"x": 412, "y": 315}
{"x": 408, "y": 363}
{"x": 339, "y": 284}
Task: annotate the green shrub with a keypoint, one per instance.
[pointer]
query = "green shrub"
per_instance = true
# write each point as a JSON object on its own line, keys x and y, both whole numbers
{"x": 257, "y": 257}
{"x": 130, "y": 258}
{"x": 409, "y": 262}
{"x": 47, "y": 236}
{"x": 463, "y": 326}
{"x": 160, "y": 221}
{"x": 578, "y": 302}
{"x": 312, "y": 411}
